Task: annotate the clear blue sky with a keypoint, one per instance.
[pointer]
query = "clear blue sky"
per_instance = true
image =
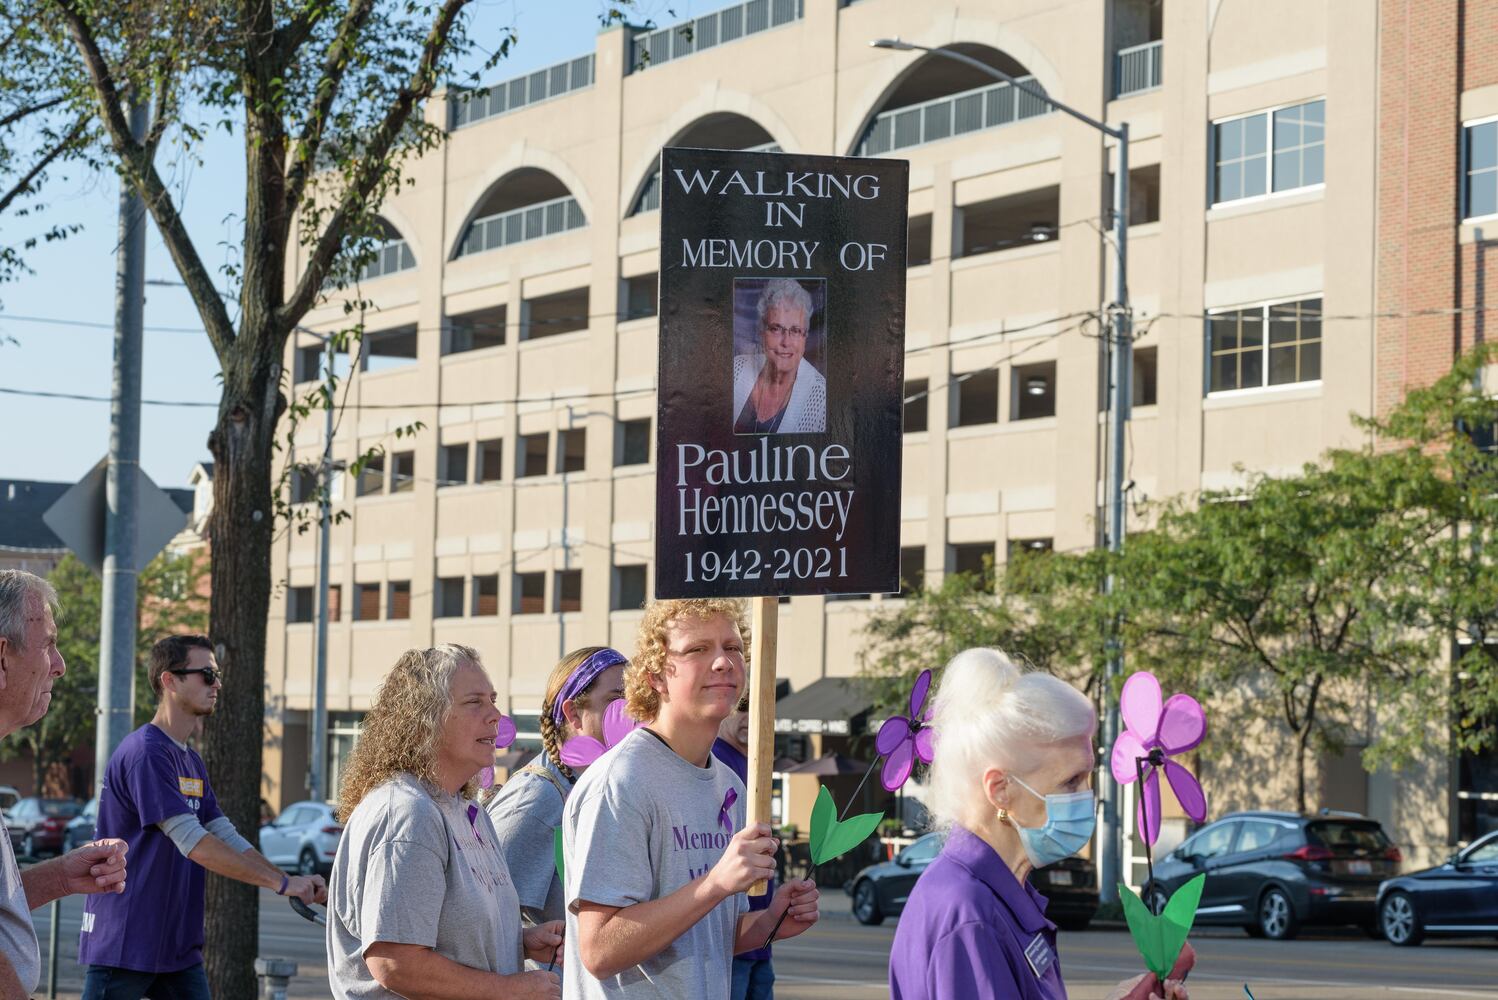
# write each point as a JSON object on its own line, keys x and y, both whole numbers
{"x": 74, "y": 281}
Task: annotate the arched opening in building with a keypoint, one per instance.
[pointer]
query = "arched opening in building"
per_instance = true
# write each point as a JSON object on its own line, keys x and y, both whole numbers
{"x": 525, "y": 204}
{"x": 722, "y": 130}
{"x": 939, "y": 98}
{"x": 391, "y": 253}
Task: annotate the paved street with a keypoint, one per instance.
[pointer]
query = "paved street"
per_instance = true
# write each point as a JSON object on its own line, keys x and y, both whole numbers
{"x": 841, "y": 959}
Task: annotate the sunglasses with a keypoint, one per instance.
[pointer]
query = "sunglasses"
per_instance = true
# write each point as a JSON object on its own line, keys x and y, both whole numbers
{"x": 211, "y": 675}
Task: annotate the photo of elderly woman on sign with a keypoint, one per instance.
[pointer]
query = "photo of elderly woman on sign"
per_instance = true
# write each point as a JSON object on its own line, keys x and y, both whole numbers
{"x": 777, "y": 385}
{"x": 1012, "y": 781}
{"x": 421, "y": 904}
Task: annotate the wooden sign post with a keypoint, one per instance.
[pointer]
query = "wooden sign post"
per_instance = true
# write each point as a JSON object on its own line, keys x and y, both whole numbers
{"x": 765, "y": 625}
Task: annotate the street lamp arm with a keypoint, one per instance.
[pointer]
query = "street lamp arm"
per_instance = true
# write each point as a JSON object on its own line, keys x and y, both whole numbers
{"x": 899, "y": 45}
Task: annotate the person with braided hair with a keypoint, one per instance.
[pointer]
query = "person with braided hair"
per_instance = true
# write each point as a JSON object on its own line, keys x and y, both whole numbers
{"x": 528, "y": 810}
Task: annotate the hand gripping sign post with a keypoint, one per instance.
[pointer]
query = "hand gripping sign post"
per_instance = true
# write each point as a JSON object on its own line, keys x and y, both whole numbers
{"x": 782, "y": 345}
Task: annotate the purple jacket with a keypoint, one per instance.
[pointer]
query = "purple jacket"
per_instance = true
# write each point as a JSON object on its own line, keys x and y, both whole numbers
{"x": 970, "y": 930}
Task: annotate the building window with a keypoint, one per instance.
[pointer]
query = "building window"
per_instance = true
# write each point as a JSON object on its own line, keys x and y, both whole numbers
{"x": 634, "y": 442}
{"x": 476, "y": 330}
{"x": 640, "y": 294}
{"x": 368, "y": 607}
{"x": 978, "y": 399}
{"x": 303, "y": 483}
{"x": 572, "y": 450}
{"x": 1033, "y": 391}
{"x": 301, "y": 605}
{"x": 390, "y": 349}
{"x": 1144, "y": 195}
{"x": 569, "y": 590}
{"x": 400, "y": 600}
{"x": 454, "y": 465}
{"x": 486, "y": 596}
{"x": 491, "y": 461}
{"x": 1277, "y": 150}
{"x": 343, "y": 736}
{"x": 530, "y": 593}
{"x": 551, "y": 315}
{"x": 335, "y": 602}
{"x": 1242, "y": 357}
{"x": 533, "y": 450}
{"x": 917, "y": 396}
{"x": 918, "y": 240}
{"x": 1027, "y": 546}
{"x": 372, "y": 477}
{"x": 449, "y": 597}
{"x": 974, "y": 559}
{"x": 1005, "y": 223}
{"x": 1480, "y": 155}
{"x": 912, "y": 569}
{"x": 629, "y": 588}
{"x": 403, "y": 472}
{"x": 1146, "y": 376}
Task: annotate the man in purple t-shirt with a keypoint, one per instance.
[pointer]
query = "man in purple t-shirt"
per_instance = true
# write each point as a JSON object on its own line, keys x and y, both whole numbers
{"x": 753, "y": 975}
{"x": 156, "y": 797}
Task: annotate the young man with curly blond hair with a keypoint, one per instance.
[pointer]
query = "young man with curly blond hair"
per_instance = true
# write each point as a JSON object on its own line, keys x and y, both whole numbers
{"x": 657, "y": 854}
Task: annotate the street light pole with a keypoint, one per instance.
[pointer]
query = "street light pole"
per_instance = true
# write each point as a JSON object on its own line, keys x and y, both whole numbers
{"x": 1120, "y": 371}
{"x": 318, "y": 778}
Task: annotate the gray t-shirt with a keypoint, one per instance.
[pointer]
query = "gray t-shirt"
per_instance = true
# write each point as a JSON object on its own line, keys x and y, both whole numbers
{"x": 526, "y": 814}
{"x": 17, "y": 935}
{"x": 419, "y": 866}
{"x": 640, "y": 824}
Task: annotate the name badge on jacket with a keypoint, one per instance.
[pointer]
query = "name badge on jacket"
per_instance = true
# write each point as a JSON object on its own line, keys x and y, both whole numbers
{"x": 1040, "y": 956}
{"x": 190, "y": 786}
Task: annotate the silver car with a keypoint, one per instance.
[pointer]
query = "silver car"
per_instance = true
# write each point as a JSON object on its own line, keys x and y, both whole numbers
{"x": 304, "y": 838}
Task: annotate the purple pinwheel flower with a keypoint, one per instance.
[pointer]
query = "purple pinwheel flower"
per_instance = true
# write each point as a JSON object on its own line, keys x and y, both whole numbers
{"x": 504, "y": 735}
{"x": 1154, "y": 732}
{"x": 725, "y": 818}
{"x": 902, "y": 739}
{"x": 580, "y": 750}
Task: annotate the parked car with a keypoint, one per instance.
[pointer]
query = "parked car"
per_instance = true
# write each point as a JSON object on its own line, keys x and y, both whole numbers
{"x": 1459, "y": 897}
{"x": 36, "y": 825}
{"x": 80, "y": 829}
{"x": 881, "y": 890}
{"x": 1273, "y": 872}
{"x": 304, "y": 838}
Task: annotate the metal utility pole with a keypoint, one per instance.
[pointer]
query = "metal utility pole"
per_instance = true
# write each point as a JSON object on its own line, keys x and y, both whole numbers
{"x": 117, "y": 619}
{"x": 1120, "y": 372}
{"x": 566, "y": 544}
{"x": 318, "y": 777}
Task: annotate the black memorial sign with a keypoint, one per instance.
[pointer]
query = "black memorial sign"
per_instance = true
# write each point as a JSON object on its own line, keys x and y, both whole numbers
{"x": 782, "y": 347}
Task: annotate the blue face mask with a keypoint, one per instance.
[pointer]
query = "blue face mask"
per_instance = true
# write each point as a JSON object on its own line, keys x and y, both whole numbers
{"x": 1069, "y": 822}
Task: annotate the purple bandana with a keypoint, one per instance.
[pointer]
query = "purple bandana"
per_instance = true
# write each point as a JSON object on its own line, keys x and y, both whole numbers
{"x": 585, "y": 674}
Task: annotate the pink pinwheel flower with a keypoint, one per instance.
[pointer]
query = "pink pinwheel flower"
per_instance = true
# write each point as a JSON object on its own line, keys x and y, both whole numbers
{"x": 1154, "y": 732}
{"x": 504, "y": 735}
{"x": 580, "y": 751}
{"x": 902, "y": 739}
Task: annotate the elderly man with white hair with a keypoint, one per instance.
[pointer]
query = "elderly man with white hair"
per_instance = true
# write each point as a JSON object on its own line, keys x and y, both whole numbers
{"x": 29, "y": 664}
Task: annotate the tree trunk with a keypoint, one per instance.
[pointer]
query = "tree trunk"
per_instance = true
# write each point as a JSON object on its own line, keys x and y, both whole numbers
{"x": 240, "y": 533}
{"x": 1302, "y": 748}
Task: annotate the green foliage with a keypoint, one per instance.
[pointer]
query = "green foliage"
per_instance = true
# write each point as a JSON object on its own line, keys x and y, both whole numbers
{"x": 1160, "y": 938}
{"x": 832, "y": 838}
{"x": 170, "y": 600}
{"x": 1040, "y": 608}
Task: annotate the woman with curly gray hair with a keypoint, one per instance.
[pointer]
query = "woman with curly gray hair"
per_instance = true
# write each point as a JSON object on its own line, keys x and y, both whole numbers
{"x": 421, "y": 904}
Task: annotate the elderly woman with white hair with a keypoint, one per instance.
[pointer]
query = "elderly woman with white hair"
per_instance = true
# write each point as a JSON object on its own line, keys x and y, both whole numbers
{"x": 1012, "y": 778}
{"x": 775, "y": 389}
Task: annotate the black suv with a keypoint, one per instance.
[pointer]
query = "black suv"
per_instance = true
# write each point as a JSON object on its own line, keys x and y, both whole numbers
{"x": 1271, "y": 872}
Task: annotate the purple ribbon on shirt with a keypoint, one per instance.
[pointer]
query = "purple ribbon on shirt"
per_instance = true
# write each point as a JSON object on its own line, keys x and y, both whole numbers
{"x": 724, "y": 820}
{"x": 586, "y": 672}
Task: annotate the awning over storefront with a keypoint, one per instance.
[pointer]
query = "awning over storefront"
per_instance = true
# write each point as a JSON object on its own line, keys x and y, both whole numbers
{"x": 836, "y": 706}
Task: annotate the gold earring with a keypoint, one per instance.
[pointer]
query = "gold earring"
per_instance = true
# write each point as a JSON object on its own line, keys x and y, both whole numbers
{"x": 1003, "y": 815}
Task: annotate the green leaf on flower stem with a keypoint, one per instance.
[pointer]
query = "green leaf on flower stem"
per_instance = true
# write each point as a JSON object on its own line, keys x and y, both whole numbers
{"x": 1159, "y": 939}
{"x": 832, "y": 838}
